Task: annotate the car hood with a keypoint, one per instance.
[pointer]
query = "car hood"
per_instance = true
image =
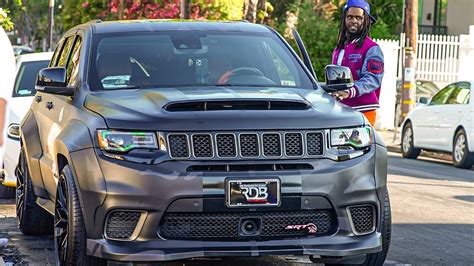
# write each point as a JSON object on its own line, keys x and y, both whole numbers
{"x": 220, "y": 108}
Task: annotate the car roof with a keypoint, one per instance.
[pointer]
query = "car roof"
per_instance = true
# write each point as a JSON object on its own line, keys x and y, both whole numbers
{"x": 35, "y": 57}
{"x": 160, "y": 24}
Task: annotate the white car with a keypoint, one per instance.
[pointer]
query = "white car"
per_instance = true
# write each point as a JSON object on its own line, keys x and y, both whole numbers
{"x": 23, "y": 92}
{"x": 445, "y": 124}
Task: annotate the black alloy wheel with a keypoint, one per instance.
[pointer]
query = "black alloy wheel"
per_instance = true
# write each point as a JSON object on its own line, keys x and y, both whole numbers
{"x": 61, "y": 216}
{"x": 20, "y": 189}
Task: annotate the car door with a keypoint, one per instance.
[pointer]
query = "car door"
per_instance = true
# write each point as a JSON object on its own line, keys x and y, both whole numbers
{"x": 49, "y": 111}
{"x": 450, "y": 115}
{"x": 425, "y": 119}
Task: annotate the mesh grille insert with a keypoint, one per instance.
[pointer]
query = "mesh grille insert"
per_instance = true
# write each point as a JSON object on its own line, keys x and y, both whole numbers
{"x": 226, "y": 145}
{"x": 224, "y": 226}
{"x": 249, "y": 145}
{"x": 363, "y": 218}
{"x": 179, "y": 147}
{"x": 121, "y": 224}
{"x": 271, "y": 145}
{"x": 314, "y": 143}
{"x": 294, "y": 144}
{"x": 202, "y": 146}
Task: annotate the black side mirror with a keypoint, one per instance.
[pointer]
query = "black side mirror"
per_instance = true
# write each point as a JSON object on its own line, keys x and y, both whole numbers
{"x": 338, "y": 78}
{"x": 423, "y": 100}
{"x": 14, "y": 131}
{"x": 53, "y": 80}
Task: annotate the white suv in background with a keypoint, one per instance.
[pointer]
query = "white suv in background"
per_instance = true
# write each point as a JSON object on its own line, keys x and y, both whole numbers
{"x": 445, "y": 124}
{"x": 28, "y": 66}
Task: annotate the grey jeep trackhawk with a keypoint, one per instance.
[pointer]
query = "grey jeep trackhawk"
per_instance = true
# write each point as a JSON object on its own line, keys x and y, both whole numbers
{"x": 164, "y": 140}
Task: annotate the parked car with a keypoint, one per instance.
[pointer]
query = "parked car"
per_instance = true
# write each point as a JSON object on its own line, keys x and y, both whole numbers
{"x": 445, "y": 124}
{"x": 424, "y": 90}
{"x": 19, "y": 50}
{"x": 165, "y": 140}
{"x": 28, "y": 66}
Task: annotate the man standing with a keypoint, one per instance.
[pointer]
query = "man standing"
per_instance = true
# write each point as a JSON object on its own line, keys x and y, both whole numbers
{"x": 363, "y": 56}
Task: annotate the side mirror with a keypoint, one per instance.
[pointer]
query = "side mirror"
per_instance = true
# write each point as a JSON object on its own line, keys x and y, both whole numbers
{"x": 53, "y": 80}
{"x": 14, "y": 131}
{"x": 423, "y": 100}
{"x": 338, "y": 78}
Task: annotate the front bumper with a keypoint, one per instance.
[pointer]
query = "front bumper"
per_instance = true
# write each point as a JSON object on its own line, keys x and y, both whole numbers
{"x": 153, "y": 189}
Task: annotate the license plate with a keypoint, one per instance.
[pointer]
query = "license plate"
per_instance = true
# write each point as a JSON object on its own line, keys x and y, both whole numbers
{"x": 254, "y": 192}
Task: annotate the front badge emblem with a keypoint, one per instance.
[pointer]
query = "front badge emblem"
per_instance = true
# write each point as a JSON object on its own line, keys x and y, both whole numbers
{"x": 312, "y": 228}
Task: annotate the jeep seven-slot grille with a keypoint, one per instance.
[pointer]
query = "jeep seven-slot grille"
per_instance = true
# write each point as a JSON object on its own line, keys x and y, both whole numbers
{"x": 225, "y": 226}
{"x": 246, "y": 145}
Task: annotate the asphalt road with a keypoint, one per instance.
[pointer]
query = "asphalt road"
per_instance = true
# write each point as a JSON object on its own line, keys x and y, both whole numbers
{"x": 432, "y": 215}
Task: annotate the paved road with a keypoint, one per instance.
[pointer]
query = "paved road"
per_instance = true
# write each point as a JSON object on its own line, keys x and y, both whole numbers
{"x": 432, "y": 209}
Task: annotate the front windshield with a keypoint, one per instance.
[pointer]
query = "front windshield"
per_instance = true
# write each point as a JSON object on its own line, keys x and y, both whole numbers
{"x": 193, "y": 58}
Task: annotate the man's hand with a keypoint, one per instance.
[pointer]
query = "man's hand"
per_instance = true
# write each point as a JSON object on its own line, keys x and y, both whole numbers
{"x": 340, "y": 95}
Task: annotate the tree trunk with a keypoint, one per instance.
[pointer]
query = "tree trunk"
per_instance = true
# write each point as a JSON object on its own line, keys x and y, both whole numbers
{"x": 121, "y": 7}
{"x": 250, "y": 10}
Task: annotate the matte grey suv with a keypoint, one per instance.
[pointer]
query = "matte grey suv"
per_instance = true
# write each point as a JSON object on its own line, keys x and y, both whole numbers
{"x": 165, "y": 140}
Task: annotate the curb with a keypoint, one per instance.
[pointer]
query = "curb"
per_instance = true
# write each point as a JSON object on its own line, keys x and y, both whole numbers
{"x": 435, "y": 155}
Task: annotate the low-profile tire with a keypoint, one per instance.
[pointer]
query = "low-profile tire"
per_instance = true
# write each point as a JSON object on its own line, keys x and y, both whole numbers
{"x": 408, "y": 150}
{"x": 69, "y": 229}
{"x": 462, "y": 158}
{"x": 31, "y": 218}
{"x": 386, "y": 231}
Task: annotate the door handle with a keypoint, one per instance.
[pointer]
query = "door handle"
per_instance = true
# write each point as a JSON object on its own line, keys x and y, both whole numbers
{"x": 38, "y": 99}
{"x": 49, "y": 105}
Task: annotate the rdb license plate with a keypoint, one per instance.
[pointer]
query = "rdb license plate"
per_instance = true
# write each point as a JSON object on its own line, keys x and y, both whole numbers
{"x": 255, "y": 192}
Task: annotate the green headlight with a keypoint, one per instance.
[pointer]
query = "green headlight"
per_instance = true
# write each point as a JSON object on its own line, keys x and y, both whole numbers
{"x": 356, "y": 137}
{"x": 119, "y": 141}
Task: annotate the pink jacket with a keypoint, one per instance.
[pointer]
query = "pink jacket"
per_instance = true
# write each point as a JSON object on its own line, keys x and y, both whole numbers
{"x": 367, "y": 67}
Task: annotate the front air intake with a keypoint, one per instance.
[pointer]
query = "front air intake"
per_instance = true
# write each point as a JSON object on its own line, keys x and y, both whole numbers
{"x": 362, "y": 219}
{"x": 219, "y": 105}
{"x": 120, "y": 225}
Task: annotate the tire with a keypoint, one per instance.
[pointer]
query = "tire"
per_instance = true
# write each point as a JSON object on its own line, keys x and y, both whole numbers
{"x": 386, "y": 230}
{"x": 69, "y": 229}
{"x": 408, "y": 151}
{"x": 462, "y": 158}
{"x": 31, "y": 218}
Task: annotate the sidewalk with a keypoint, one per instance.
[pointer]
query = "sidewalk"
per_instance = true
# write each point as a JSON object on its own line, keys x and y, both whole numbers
{"x": 393, "y": 145}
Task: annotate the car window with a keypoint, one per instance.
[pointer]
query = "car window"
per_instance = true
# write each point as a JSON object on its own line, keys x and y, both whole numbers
{"x": 73, "y": 65}
{"x": 442, "y": 95}
{"x": 56, "y": 54}
{"x": 460, "y": 94}
{"x": 63, "y": 56}
{"x": 193, "y": 58}
{"x": 26, "y": 78}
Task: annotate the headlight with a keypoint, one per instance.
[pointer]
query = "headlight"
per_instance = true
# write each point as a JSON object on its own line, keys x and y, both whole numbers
{"x": 357, "y": 138}
{"x": 119, "y": 141}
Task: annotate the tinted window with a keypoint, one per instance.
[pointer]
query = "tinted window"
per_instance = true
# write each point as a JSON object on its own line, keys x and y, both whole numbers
{"x": 65, "y": 52}
{"x": 194, "y": 58}
{"x": 26, "y": 78}
{"x": 73, "y": 65}
{"x": 56, "y": 53}
{"x": 460, "y": 94}
{"x": 442, "y": 95}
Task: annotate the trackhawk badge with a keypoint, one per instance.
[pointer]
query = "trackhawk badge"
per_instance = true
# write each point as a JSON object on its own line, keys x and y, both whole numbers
{"x": 312, "y": 228}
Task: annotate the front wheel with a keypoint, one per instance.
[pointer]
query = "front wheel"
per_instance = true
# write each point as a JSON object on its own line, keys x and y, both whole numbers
{"x": 69, "y": 229}
{"x": 462, "y": 158}
{"x": 408, "y": 150}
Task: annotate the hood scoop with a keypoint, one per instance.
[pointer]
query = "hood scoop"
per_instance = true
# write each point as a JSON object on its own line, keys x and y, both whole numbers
{"x": 191, "y": 106}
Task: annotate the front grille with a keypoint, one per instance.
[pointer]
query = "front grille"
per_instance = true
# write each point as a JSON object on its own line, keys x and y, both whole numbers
{"x": 293, "y": 144}
{"x": 246, "y": 145}
{"x": 121, "y": 224}
{"x": 179, "y": 147}
{"x": 202, "y": 146}
{"x": 226, "y": 146}
{"x": 363, "y": 219}
{"x": 271, "y": 145}
{"x": 315, "y": 144}
{"x": 249, "y": 145}
{"x": 225, "y": 226}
